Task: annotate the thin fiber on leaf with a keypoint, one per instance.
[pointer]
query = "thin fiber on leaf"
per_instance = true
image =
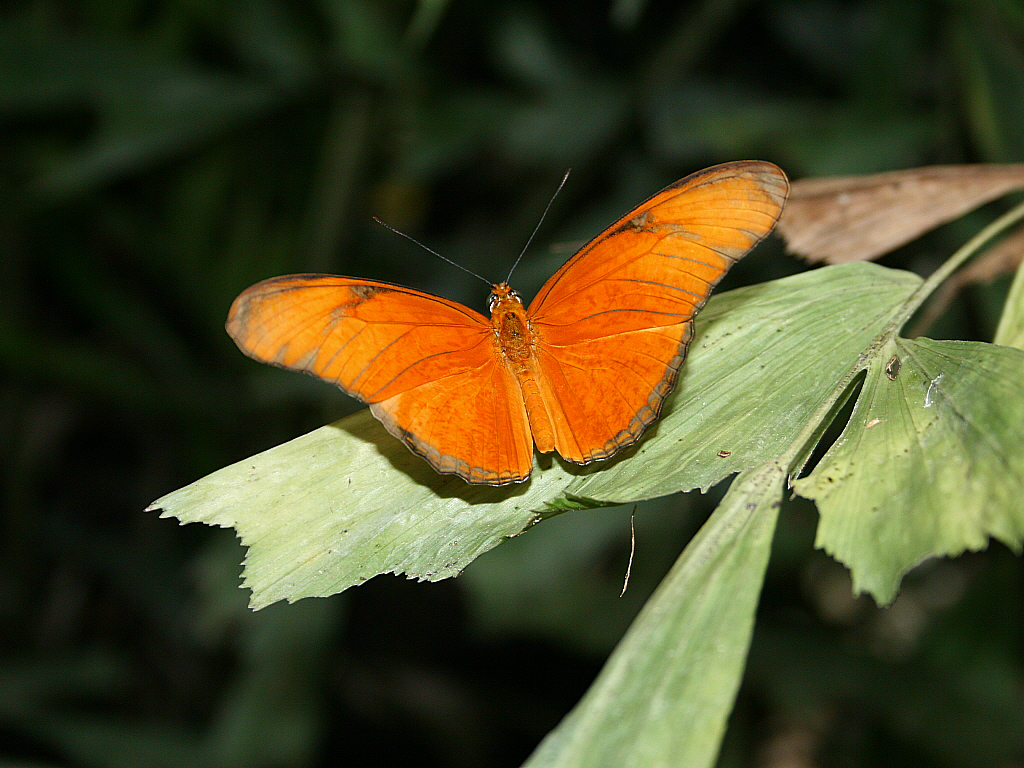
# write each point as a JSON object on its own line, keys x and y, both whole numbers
{"x": 931, "y": 462}
{"x": 334, "y": 508}
{"x": 664, "y": 696}
{"x": 858, "y": 218}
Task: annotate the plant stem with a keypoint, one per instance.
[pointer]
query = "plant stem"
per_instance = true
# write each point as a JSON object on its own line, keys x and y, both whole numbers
{"x": 965, "y": 251}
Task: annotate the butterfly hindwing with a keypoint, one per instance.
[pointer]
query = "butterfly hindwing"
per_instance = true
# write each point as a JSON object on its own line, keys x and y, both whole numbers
{"x": 472, "y": 424}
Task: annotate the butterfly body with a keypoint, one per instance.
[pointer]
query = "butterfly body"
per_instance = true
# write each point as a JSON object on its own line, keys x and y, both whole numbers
{"x": 516, "y": 345}
{"x": 582, "y": 371}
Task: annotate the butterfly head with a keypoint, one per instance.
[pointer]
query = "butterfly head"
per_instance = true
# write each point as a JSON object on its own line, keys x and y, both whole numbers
{"x": 502, "y": 293}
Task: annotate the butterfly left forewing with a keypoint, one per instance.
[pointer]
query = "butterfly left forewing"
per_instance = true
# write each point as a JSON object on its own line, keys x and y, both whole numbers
{"x": 425, "y": 365}
{"x": 613, "y": 324}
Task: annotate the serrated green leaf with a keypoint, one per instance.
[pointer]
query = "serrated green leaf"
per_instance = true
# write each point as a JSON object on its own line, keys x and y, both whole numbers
{"x": 337, "y": 506}
{"x": 664, "y": 695}
{"x": 931, "y": 462}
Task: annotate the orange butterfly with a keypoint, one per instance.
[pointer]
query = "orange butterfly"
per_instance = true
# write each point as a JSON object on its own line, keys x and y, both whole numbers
{"x": 583, "y": 371}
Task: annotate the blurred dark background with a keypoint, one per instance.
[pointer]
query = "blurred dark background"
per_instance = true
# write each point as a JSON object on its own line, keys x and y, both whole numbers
{"x": 159, "y": 157}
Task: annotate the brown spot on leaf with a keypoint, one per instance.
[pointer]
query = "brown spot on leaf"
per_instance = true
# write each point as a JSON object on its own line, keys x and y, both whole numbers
{"x": 892, "y": 368}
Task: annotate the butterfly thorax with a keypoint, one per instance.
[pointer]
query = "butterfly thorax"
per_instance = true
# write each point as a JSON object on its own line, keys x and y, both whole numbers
{"x": 511, "y": 328}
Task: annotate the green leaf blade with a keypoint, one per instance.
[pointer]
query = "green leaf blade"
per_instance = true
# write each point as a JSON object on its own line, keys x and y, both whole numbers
{"x": 327, "y": 511}
{"x": 931, "y": 463}
{"x": 664, "y": 696}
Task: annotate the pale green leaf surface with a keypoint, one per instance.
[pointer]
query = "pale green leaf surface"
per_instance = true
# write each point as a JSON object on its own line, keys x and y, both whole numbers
{"x": 931, "y": 463}
{"x": 664, "y": 695}
{"x": 337, "y": 506}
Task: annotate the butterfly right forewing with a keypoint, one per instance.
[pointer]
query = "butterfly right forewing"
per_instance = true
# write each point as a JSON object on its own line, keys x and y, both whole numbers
{"x": 613, "y": 324}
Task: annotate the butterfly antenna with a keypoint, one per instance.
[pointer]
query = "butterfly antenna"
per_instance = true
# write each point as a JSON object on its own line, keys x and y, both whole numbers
{"x": 535, "y": 229}
{"x": 431, "y": 250}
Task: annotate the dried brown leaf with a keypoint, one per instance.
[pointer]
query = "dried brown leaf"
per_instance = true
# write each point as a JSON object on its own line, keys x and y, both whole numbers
{"x": 858, "y": 218}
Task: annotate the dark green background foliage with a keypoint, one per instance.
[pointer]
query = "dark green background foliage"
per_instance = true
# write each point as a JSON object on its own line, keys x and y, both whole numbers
{"x": 159, "y": 157}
